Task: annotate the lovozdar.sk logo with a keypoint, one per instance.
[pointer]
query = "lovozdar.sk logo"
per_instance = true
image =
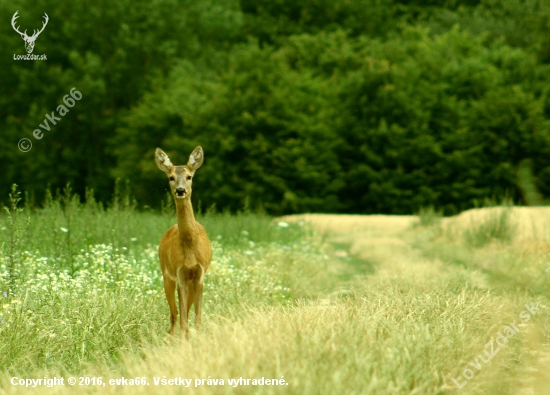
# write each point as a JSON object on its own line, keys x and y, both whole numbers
{"x": 29, "y": 40}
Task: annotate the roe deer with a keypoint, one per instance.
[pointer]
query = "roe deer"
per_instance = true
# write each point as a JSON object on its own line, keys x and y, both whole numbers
{"x": 184, "y": 250}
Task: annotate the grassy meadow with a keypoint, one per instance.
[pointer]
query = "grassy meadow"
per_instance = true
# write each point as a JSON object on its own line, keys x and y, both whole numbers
{"x": 324, "y": 304}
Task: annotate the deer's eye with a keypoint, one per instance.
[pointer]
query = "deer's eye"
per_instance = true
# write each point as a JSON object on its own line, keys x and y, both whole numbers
{"x": 172, "y": 178}
{"x": 188, "y": 177}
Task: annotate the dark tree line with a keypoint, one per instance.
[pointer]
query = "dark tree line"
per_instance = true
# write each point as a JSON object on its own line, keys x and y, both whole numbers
{"x": 313, "y": 105}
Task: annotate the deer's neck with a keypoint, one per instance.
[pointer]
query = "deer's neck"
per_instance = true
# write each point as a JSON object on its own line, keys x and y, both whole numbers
{"x": 187, "y": 226}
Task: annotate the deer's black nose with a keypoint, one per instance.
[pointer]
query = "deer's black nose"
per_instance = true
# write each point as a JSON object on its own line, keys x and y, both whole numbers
{"x": 180, "y": 191}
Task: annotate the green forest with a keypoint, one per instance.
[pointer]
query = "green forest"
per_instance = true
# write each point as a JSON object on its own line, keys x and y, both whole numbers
{"x": 344, "y": 106}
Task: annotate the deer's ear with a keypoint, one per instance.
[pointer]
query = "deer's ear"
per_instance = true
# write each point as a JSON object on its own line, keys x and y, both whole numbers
{"x": 196, "y": 158}
{"x": 163, "y": 161}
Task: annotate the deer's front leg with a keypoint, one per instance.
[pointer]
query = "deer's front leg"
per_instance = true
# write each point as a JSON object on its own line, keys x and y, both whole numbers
{"x": 182, "y": 296}
{"x": 170, "y": 290}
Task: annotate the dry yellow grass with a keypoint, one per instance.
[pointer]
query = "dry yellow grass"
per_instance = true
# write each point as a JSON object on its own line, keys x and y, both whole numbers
{"x": 338, "y": 224}
{"x": 411, "y": 327}
{"x": 368, "y": 237}
{"x": 519, "y": 267}
{"x": 529, "y": 222}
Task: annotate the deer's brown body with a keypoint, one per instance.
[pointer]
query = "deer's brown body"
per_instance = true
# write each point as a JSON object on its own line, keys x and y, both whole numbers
{"x": 184, "y": 251}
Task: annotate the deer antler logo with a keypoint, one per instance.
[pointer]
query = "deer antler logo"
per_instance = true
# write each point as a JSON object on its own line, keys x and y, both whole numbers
{"x": 29, "y": 41}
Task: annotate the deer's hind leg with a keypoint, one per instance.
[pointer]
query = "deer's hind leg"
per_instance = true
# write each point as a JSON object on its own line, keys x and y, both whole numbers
{"x": 183, "y": 297}
{"x": 198, "y": 303}
{"x": 190, "y": 295}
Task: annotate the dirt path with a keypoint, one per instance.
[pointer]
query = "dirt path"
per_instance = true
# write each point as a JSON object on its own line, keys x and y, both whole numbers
{"x": 366, "y": 237}
{"x": 381, "y": 244}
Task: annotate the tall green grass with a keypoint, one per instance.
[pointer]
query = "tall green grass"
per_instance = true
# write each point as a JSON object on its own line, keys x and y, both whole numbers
{"x": 497, "y": 224}
{"x": 429, "y": 216}
{"x": 85, "y": 284}
{"x": 63, "y": 226}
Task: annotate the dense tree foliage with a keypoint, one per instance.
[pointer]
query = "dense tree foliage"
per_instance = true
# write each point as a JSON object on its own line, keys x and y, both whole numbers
{"x": 343, "y": 106}
{"x": 112, "y": 52}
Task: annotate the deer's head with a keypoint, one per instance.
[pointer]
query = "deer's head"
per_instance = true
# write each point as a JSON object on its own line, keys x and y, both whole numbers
{"x": 181, "y": 177}
{"x": 29, "y": 41}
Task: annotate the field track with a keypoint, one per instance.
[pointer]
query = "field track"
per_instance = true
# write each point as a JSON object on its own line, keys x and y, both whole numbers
{"x": 388, "y": 241}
